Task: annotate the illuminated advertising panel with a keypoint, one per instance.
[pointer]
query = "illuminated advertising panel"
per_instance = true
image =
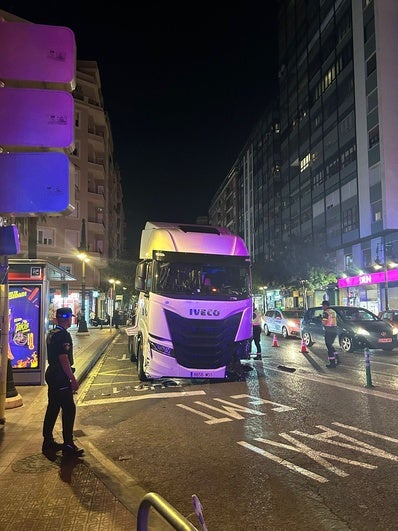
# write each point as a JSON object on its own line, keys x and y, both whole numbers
{"x": 24, "y": 333}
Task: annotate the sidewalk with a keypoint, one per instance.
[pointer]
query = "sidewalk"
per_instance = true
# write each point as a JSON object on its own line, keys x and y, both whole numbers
{"x": 38, "y": 494}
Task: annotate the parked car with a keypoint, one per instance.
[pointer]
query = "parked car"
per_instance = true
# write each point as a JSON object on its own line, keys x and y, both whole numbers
{"x": 284, "y": 322}
{"x": 357, "y": 328}
{"x": 391, "y": 316}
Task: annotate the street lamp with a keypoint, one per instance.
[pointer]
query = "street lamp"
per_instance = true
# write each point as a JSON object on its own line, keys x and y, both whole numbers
{"x": 264, "y": 293}
{"x": 82, "y": 328}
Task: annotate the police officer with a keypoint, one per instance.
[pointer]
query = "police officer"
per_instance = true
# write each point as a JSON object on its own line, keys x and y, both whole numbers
{"x": 257, "y": 332}
{"x": 61, "y": 386}
{"x": 330, "y": 325}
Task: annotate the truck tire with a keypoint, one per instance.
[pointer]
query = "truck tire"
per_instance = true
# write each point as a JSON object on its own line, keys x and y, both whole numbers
{"x": 132, "y": 353}
{"x": 140, "y": 362}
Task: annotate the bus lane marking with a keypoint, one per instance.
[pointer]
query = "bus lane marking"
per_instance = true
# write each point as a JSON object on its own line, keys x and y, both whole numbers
{"x": 155, "y": 396}
{"x": 366, "y": 432}
{"x": 321, "y": 457}
{"x": 233, "y": 410}
{"x": 361, "y": 446}
{"x": 283, "y": 462}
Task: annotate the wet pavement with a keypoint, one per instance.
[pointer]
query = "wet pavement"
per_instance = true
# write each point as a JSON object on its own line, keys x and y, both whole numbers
{"x": 88, "y": 493}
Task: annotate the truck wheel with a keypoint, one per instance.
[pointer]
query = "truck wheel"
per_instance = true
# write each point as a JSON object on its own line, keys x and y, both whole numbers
{"x": 132, "y": 354}
{"x": 140, "y": 363}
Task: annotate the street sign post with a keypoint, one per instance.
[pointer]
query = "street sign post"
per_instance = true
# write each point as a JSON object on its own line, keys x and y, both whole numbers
{"x": 37, "y": 74}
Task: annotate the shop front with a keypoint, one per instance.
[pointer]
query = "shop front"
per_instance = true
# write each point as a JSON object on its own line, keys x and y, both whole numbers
{"x": 374, "y": 291}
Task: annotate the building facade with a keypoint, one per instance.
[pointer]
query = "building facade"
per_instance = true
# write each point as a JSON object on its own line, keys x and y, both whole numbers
{"x": 330, "y": 180}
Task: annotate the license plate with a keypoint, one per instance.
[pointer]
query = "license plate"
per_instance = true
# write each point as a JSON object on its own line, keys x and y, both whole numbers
{"x": 385, "y": 340}
{"x": 201, "y": 374}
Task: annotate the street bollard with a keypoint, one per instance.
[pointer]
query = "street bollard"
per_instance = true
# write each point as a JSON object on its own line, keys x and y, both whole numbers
{"x": 367, "y": 365}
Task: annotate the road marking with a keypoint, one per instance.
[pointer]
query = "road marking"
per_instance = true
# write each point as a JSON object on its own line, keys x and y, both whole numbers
{"x": 141, "y": 397}
{"x": 234, "y": 410}
{"x": 341, "y": 385}
{"x": 366, "y": 432}
{"x": 322, "y": 457}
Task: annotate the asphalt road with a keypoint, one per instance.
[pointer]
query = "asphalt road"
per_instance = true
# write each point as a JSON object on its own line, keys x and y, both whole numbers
{"x": 294, "y": 446}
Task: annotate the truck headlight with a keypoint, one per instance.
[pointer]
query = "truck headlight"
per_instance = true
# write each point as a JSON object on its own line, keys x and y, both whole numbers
{"x": 167, "y": 351}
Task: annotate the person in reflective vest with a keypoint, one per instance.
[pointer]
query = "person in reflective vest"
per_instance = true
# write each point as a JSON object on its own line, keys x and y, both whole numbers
{"x": 257, "y": 332}
{"x": 329, "y": 322}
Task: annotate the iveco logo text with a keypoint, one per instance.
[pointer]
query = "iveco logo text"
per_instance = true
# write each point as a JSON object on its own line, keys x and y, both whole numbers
{"x": 210, "y": 313}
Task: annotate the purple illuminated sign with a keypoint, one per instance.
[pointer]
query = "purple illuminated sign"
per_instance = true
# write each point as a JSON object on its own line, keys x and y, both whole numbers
{"x": 37, "y": 52}
{"x": 368, "y": 278}
{"x": 36, "y": 183}
{"x": 36, "y": 118}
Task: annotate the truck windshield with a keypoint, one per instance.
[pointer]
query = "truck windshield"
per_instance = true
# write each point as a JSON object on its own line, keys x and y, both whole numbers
{"x": 225, "y": 281}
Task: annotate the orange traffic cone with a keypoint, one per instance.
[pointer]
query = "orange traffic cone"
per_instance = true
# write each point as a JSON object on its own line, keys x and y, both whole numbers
{"x": 275, "y": 341}
{"x": 304, "y": 349}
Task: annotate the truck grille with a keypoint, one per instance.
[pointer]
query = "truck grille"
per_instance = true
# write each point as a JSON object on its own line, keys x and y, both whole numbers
{"x": 203, "y": 343}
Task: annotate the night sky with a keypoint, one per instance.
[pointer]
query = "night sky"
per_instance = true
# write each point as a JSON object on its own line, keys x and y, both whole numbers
{"x": 183, "y": 90}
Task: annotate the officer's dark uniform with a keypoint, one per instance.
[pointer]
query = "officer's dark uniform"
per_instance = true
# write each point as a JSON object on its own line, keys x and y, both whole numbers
{"x": 60, "y": 393}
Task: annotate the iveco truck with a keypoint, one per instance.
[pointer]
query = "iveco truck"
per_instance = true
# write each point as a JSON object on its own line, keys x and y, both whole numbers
{"x": 194, "y": 311}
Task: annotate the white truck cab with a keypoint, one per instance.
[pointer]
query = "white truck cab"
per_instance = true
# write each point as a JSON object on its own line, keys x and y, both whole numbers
{"x": 194, "y": 311}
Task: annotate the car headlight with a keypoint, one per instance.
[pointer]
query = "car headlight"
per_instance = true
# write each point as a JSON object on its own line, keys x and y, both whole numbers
{"x": 361, "y": 331}
{"x": 394, "y": 330}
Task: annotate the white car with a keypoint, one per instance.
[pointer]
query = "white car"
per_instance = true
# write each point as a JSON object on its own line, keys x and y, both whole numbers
{"x": 283, "y": 322}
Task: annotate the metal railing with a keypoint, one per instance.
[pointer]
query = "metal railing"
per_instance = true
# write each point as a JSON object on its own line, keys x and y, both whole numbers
{"x": 168, "y": 512}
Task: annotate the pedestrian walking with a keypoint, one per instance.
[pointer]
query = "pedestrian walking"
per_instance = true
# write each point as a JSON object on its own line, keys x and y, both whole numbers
{"x": 256, "y": 332}
{"x": 61, "y": 385}
{"x": 116, "y": 318}
{"x": 329, "y": 322}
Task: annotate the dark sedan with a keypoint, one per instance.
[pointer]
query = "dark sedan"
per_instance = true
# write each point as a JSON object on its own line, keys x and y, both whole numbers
{"x": 357, "y": 328}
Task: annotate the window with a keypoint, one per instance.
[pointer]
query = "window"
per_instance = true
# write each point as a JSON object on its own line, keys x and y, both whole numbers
{"x": 76, "y": 151}
{"x": 377, "y": 214}
{"x": 372, "y": 100}
{"x": 348, "y": 261}
{"x": 45, "y": 236}
{"x": 373, "y": 136}
{"x": 347, "y": 124}
{"x": 100, "y": 215}
{"x": 348, "y": 155}
{"x": 369, "y": 29}
{"x": 371, "y": 65}
{"x": 350, "y": 219}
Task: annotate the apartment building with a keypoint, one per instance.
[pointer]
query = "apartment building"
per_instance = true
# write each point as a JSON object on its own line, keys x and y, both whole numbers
{"x": 333, "y": 183}
{"x": 97, "y": 223}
